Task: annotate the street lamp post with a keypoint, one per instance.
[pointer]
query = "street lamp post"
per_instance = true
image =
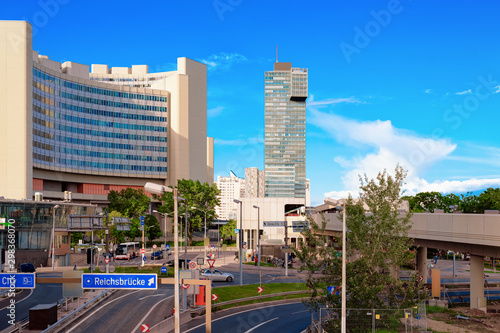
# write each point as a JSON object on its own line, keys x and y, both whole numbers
{"x": 258, "y": 233}
{"x": 241, "y": 239}
{"x": 185, "y": 237}
{"x": 54, "y": 234}
{"x": 205, "y": 235}
{"x": 160, "y": 189}
{"x": 342, "y": 208}
{"x": 164, "y": 215}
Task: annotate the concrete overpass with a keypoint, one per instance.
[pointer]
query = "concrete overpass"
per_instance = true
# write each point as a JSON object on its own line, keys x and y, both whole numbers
{"x": 476, "y": 234}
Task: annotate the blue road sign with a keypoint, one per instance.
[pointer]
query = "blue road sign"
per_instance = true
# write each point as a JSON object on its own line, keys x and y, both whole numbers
{"x": 168, "y": 247}
{"x": 164, "y": 270}
{"x": 120, "y": 281}
{"x": 17, "y": 280}
{"x": 142, "y": 220}
{"x": 332, "y": 290}
{"x": 144, "y": 258}
{"x": 236, "y": 231}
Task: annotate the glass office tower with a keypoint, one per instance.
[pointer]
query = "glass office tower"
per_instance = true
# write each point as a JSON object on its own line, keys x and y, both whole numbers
{"x": 285, "y": 131}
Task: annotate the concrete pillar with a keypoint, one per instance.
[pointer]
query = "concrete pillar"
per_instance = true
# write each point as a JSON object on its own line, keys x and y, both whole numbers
{"x": 477, "y": 299}
{"x": 422, "y": 263}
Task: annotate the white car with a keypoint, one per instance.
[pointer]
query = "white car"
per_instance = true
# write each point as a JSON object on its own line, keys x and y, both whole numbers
{"x": 216, "y": 275}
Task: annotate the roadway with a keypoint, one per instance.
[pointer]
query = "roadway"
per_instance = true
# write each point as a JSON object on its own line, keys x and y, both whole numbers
{"x": 125, "y": 310}
{"x": 46, "y": 293}
{"x": 292, "y": 317}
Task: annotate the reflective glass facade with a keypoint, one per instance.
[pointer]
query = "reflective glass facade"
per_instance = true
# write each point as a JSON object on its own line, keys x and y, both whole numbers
{"x": 91, "y": 129}
{"x": 33, "y": 222}
{"x": 285, "y": 132}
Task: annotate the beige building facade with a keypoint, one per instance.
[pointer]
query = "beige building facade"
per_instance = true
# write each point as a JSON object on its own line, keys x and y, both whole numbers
{"x": 91, "y": 129}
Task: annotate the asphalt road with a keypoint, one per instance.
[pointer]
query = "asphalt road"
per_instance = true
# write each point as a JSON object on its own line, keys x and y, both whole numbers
{"x": 43, "y": 294}
{"x": 290, "y": 318}
{"x": 125, "y": 310}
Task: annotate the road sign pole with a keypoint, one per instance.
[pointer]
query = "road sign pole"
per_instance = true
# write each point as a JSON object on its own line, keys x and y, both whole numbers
{"x": 286, "y": 244}
{"x": 143, "y": 244}
{"x": 176, "y": 264}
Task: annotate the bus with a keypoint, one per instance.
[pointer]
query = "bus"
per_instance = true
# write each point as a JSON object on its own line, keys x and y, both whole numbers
{"x": 127, "y": 250}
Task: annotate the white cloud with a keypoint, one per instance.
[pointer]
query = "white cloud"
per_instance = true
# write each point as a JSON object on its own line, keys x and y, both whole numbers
{"x": 427, "y": 91}
{"x": 223, "y": 60}
{"x": 213, "y": 112}
{"x": 498, "y": 89}
{"x": 240, "y": 142}
{"x": 332, "y": 101}
{"x": 464, "y": 92}
{"x": 390, "y": 146}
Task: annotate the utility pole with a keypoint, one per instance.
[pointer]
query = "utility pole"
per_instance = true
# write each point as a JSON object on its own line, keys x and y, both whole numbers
{"x": 143, "y": 252}
{"x": 286, "y": 245}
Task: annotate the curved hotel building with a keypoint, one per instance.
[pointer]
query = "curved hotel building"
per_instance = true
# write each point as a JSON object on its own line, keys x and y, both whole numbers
{"x": 88, "y": 130}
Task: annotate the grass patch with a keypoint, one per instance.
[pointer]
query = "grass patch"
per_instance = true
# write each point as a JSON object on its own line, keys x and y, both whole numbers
{"x": 237, "y": 292}
{"x": 439, "y": 309}
{"x": 262, "y": 264}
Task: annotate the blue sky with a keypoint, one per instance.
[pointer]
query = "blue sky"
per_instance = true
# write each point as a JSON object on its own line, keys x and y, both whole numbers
{"x": 409, "y": 82}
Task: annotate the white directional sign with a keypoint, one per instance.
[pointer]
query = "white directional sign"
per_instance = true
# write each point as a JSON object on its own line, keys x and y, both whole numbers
{"x": 274, "y": 223}
{"x": 120, "y": 281}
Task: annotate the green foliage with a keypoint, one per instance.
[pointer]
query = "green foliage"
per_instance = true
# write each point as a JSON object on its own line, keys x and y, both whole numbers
{"x": 467, "y": 203}
{"x": 200, "y": 195}
{"x": 129, "y": 202}
{"x": 152, "y": 228}
{"x": 376, "y": 245}
{"x": 227, "y": 230}
{"x": 490, "y": 199}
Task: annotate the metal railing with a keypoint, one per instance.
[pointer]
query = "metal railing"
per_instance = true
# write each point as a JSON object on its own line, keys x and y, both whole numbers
{"x": 253, "y": 298}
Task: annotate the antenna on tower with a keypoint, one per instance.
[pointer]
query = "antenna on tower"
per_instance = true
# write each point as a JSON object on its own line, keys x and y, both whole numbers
{"x": 276, "y": 52}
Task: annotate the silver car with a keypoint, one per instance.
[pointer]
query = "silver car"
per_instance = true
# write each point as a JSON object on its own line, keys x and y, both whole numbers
{"x": 216, "y": 275}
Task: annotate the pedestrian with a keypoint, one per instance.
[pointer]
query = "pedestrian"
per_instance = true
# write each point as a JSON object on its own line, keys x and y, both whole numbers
{"x": 256, "y": 259}
{"x": 236, "y": 256}
{"x": 435, "y": 260}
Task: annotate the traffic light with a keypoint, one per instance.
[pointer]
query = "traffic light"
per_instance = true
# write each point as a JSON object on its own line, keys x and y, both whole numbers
{"x": 89, "y": 259}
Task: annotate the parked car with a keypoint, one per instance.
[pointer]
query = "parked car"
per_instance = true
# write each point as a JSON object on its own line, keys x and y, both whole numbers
{"x": 157, "y": 255}
{"x": 27, "y": 268}
{"x": 216, "y": 275}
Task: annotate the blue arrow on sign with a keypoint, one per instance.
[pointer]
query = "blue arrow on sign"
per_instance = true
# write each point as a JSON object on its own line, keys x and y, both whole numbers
{"x": 120, "y": 281}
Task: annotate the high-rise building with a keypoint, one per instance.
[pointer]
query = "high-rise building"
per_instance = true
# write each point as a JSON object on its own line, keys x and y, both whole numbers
{"x": 68, "y": 127}
{"x": 254, "y": 183}
{"x": 285, "y": 131}
{"x": 230, "y": 188}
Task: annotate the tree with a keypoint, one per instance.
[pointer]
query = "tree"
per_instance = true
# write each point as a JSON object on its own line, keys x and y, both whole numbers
{"x": 196, "y": 194}
{"x": 490, "y": 199}
{"x": 227, "y": 230}
{"x": 376, "y": 245}
{"x": 129, "y": 202}
{"x": 152, "y": 228}
{"x": 470, "y": 204}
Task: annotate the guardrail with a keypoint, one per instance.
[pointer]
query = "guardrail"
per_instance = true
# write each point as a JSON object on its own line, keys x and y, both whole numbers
{"x": 53, "y": 327}
{"x": 253, "y": 298}
{"x": 17, "y": 327}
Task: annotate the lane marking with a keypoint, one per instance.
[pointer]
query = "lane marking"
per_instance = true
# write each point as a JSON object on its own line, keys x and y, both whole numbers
{"x": 140, "y": 299}
{"x": 17, "y": 302}
{"x": 300, "y": 311}
{"x": 250, "y": 330}
{"x": 235, "y": 313}
{"x": 147, "y": 314}
{"x": 90, "y": 315}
